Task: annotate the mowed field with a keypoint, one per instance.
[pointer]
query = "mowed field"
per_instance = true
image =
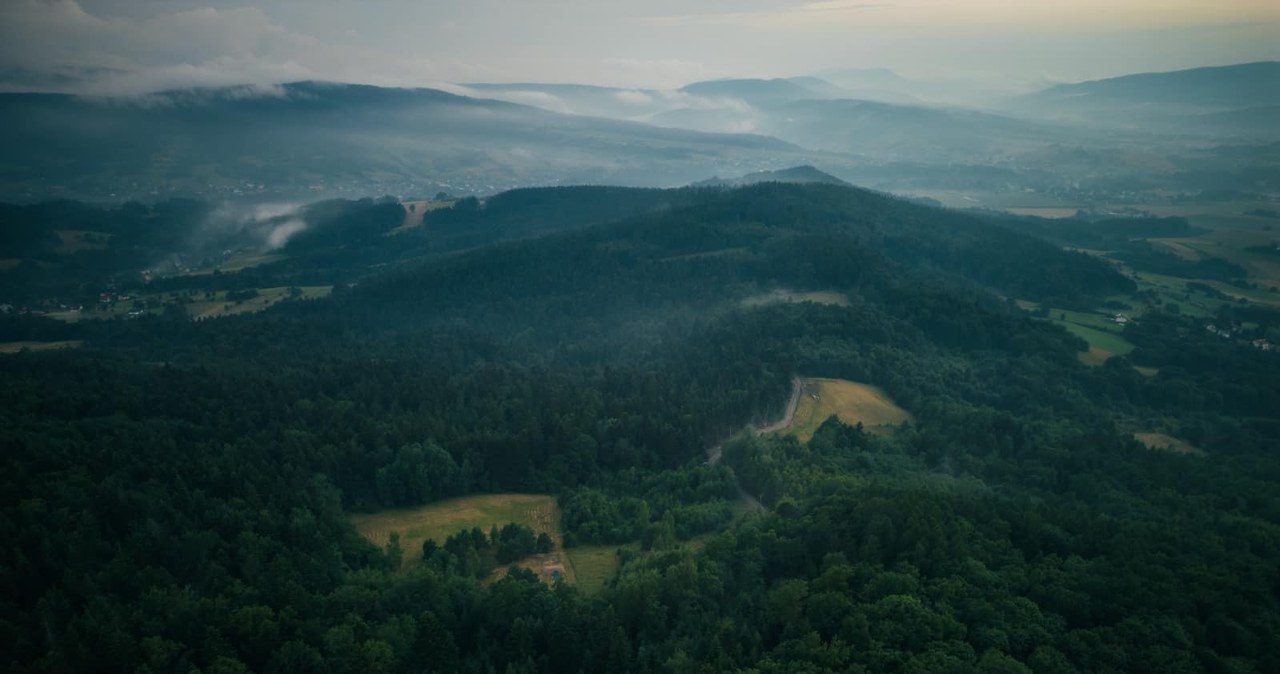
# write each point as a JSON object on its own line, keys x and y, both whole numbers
{"x": 589, "y": 566}
{"x": 850, "y": 401}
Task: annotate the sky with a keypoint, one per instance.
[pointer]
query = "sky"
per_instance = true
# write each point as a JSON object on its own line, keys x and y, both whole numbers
{"x": 125, "y": 47}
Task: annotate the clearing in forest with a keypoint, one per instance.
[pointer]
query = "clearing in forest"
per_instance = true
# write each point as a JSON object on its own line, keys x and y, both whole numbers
{"x": 783, "y": 296}
{"x": 850, "y": 401}
{"x": 439, "y": 521}
{"x": 594, "y": 565}
{"x": 1168, "y": 443}
{"x": 415, "y": 210}
{"x": 219, "y": 304}
{"x": 18, "y": 347}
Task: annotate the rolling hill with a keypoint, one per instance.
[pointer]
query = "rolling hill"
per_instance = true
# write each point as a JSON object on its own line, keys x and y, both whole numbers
{"x": 1225, "y": 100}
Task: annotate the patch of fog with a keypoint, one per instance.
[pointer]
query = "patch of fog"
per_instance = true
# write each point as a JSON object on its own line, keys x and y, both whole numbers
{"x": 633, "y": 97}
{"x": 264, "y": 226}
{"x": 281, "y": 233}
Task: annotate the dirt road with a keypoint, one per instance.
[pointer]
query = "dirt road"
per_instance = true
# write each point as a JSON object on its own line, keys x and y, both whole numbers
{"x": 714, "y": 453}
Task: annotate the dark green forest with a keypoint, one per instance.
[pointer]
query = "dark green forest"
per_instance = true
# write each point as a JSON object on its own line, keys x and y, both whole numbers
{"x": 176, "y": 493}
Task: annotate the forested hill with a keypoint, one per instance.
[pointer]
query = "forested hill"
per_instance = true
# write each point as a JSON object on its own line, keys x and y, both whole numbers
{"x": 176, "y": 493}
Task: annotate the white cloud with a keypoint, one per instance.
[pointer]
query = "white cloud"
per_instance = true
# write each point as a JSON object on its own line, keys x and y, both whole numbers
{"x": 633, "y": 97}
{"x": 140, "y": 46}
{"x": 281, "y": 233}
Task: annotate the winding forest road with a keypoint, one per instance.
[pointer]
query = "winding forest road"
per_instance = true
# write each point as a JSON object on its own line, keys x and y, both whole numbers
{"x": 714, "y": 453}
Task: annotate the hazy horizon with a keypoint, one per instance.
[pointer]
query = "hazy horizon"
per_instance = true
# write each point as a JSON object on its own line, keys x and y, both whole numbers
{"x": 140, "y": 46}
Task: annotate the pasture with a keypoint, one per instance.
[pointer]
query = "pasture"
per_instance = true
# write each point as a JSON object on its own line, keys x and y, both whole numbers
{"x": 850, "y": 401}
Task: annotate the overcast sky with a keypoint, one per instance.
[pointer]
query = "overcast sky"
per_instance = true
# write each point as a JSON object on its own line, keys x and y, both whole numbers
{"x": 135, "y": 46}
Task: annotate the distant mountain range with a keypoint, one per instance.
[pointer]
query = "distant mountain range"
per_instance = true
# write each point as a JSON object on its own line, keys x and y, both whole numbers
{"x": 1247, "y": 85}
{"x": 1232, "y": 100}
{"x": 310, "y": 139}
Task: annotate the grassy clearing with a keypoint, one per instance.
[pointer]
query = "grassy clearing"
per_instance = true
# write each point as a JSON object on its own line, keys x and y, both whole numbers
{"x": 440, "y": 520}
{"x": 1054, "y": 213}
{"x": 18, "y": 347}
{"x": 443, "y": 519}
{"x": 267, "y": 297}
{"x": 1160, "y": 441}
{"x": 238, "y": 263}
{"x": 1102, "y": 340}
{"x": 850, "y": 401}
{"x": 782, "y": 296}
{"x": 1147, "y": 371}
{"x": 1102, "y": 334}
{"x": 1177, "y": 247}
{"x": 1094, "y": 357}
{"x": 1027, "y": 203}
{"x": 594, "y": 565}
{"x": 199, "y": 307}
{"x": 414, "y": 211}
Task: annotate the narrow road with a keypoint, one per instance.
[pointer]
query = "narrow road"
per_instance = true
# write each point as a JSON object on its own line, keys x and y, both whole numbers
{"x": 714, "y": 453}
{"x": 791, "y": 410}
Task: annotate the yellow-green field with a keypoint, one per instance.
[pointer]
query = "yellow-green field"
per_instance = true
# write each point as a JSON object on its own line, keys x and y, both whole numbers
{"x": 17, "y": 347}
{"x": 1096, "y": 328}
{"x": 1099, "y": 339}
{"x": 219, "y": 306}
{"x": 1164, "y": 442}
{"x": 850, "y": 401}
{"x": 238, "y": 263}
{"x": 788, "y": 296}
{"x": 440, "y": 520}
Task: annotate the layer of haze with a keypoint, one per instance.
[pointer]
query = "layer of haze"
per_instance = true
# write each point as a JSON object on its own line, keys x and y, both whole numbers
{"x": 136, "y": 46}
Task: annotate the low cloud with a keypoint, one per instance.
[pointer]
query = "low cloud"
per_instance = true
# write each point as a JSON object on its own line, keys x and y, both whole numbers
{"x": 55, "y": 45}
{"x": 633, "y": 97}
{"x": 281, "y": 233}
{"x": 265, "y": 226}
